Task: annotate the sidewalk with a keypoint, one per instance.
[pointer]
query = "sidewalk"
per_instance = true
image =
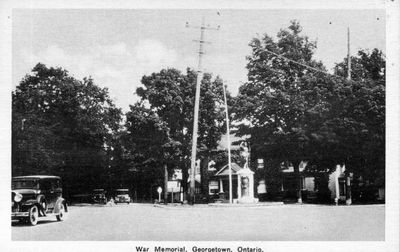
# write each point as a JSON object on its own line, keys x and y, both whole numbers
{"x": 218, "y": 205}
{"x": 260, "y": 205}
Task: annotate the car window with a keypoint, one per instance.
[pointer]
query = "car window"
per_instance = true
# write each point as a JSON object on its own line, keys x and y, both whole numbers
{"x": 56, "y": 184}
{"x": 45, "y": 185}
{"x": 24, "y": 184}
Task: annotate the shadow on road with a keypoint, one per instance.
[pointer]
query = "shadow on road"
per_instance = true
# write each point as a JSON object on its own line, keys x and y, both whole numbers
{"x": 25, "y": 224}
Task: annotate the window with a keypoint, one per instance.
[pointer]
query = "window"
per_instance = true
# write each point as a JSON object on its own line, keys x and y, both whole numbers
{"x": 24, "y": 184}
{"x": 45, "y": 185}
{"x": 56, "y": 184}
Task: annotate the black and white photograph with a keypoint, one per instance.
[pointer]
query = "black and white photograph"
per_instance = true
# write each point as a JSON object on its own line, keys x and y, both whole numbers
{"x": 200, "y": 127}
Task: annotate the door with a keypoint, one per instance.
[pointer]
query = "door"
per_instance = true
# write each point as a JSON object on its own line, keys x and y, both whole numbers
{"x": 48, "y": 189}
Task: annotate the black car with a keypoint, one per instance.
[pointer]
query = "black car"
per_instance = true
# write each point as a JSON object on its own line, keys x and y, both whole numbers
{"x": 122, "y": 196}
{"x": 99, "y": 196}
{"x": 37, "y": 196}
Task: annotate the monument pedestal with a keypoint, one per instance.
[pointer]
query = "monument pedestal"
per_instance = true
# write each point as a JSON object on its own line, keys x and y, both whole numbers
{"x": 246, "y": 186}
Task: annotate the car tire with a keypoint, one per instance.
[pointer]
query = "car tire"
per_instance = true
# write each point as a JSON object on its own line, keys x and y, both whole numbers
{"x": 33, "y": 216}
{"x": 61, "y": 214}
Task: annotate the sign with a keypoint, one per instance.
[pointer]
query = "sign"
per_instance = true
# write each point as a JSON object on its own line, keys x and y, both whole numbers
{"x": 213, "y": 184}
{"x": 159, "y": 190}
{"x": 174, "y": 186}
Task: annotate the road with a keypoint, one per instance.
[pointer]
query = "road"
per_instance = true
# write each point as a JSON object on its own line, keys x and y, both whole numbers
{"x": 143, "y": 222}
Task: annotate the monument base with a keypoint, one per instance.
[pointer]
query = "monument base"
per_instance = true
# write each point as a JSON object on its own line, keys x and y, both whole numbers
{"x": 247, "y": 200}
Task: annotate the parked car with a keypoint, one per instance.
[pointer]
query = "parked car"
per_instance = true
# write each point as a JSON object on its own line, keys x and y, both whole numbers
{"x": 37, "y": 196}
{"x": 99, "y": 196}
{"x": 122, "y": 196}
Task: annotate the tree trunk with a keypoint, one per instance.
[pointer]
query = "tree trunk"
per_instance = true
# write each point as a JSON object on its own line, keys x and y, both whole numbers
{"x": 204, "y": 177}
{"x": 184, "y": 181}
{"x": 165, "y": 184}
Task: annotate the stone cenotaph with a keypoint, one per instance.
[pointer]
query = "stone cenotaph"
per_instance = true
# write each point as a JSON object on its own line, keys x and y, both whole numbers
{"x": 245, "y": 176}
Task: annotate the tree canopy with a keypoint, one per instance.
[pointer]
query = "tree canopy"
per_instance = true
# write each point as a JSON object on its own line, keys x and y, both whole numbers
{"x": 291, "y": 109}
{"x": 61, "y": 126}
{"x": 359, "y": 116}
{"x": 281, "y": 100}
{"x": 161, "y": 122}
{"x": 292, "y": 112}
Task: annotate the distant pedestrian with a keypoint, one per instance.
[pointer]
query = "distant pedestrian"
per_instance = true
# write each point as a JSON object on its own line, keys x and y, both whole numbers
{"x": 111, "y": 202}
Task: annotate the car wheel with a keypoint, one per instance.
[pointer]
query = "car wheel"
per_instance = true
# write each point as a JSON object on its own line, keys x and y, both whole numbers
{"x": 61, "y": 214}
{"x": 33, "y": 216}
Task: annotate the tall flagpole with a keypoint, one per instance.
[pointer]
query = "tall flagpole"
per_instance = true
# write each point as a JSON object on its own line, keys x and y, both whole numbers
{"x": 229, "y": 145}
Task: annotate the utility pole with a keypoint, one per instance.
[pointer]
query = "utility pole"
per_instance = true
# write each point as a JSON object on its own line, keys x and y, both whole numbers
{"x": 348, "y": 55}
{"x": 196, "y": 106}
{"x": 229, "y": 145}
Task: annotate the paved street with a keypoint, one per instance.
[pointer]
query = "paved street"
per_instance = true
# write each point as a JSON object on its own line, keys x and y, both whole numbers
{"x": 146, "y": 222}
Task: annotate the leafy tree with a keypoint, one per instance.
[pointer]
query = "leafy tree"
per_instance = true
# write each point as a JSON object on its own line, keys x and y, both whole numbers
{"x": 61, "y": 125}
{"x": 282, "y": 100}
{"x": 147, "y": 147}
{"x": 359, "y": 116}
{"x": 294, "y": 113}
{"x": 365, "y": 66}
{"x": 169, "y": 97}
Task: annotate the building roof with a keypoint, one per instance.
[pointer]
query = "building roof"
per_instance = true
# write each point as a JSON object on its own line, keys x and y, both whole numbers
{"x": 225, "y": 172}
{"x": 36, "y": 177}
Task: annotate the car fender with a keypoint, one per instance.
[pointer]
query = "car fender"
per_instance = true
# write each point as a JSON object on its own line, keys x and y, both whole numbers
{"x": 39, "y": 200}
{"x": 29, "y": 203}
{"x": 58, "y": 204}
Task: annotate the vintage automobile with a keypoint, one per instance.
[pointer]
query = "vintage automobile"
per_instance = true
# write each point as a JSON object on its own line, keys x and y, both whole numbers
{"x": 37, "y": 196}
{"x": 122, "y": 196}
{"x": 99, "y": 196}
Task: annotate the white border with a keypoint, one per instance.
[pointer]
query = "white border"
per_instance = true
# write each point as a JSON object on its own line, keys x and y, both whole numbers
{"x": 392, "y": 122}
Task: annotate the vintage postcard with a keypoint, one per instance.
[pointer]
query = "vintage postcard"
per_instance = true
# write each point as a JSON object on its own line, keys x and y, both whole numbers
{"x": 188, "y": 126}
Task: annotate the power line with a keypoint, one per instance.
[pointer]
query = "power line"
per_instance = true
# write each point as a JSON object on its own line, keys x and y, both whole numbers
{"x": 304, "y": 65}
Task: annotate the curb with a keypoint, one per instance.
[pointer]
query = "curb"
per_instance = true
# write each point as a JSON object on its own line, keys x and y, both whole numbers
{"x": 219, "y": 205}
{"x": 260, "y": 205}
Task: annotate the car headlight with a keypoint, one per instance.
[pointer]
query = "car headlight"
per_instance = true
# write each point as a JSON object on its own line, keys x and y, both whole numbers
{"x": 17, "y": 197}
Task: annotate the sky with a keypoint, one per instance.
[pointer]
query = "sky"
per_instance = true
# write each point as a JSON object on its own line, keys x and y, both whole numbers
{"x": 116, "y": 47}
